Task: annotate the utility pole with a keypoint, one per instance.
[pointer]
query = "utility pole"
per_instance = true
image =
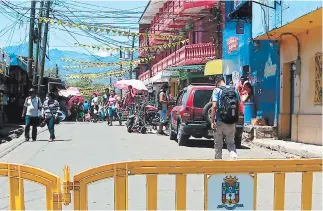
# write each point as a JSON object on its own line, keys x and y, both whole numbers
{"x": 56, "y": 71}
{"x": 36, "y": 71}
{"x": 31, "y": 38}
{"x": 44, "y": 43}
{"x": 133, "y": 45}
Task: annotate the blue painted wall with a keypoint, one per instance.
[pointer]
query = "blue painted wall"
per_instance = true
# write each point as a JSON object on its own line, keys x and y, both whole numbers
{"x": 265, "y": 78}
{"x": 265, "y": 19}
{"x": 239, "y": 57}
{"x": 263, "y": 62}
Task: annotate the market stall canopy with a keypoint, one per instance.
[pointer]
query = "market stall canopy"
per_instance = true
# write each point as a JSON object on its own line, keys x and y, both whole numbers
{"x": 213, "y": 67}
{"x": 164, "y": 76}
{"x": 187, "y": 68}
{"x": 136, "y": 84}
{"x": 146, "y": 82}
{"x": 71, "y": 91}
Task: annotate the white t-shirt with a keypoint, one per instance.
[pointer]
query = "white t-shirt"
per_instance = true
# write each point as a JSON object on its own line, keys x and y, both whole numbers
{"x": 33, "y": 106}
{"x": 95, "y": 101}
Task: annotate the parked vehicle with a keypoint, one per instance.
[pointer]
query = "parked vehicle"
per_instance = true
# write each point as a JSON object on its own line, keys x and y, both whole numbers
{"x": 191, "y": 115}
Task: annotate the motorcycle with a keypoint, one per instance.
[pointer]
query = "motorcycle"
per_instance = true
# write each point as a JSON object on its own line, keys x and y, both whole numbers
{"x": 146, "y": 115}
{"x": 152, "y": 116}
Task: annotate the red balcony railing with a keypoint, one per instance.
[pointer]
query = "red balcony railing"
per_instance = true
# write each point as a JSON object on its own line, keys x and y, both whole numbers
{"x": 187, "y": 55}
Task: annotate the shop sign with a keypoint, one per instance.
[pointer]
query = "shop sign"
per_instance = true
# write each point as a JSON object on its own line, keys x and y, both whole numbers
{"x": 270, "y": 68}
{"x": 232, "y": 44}
{"x": 230, "y": 192}
{"x": 195, "y": 71}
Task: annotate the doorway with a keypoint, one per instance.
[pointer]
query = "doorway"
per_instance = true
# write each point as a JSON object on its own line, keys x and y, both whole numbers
{"x": 286, "y": 101}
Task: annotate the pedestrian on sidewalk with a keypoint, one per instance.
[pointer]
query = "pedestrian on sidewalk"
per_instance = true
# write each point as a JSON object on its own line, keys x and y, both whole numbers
{"x": 162, "y": 107}
{"x": 31, "y": 112}
{"x": 225, "y": 113}
{"x": 51, "y": 106}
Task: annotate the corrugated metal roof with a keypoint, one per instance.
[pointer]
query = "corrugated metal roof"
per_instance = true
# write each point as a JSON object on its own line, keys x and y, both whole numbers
{"x": 186, "y": 67}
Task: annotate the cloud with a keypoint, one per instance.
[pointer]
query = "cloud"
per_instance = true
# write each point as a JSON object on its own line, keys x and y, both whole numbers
{"x": 103, "y": 53}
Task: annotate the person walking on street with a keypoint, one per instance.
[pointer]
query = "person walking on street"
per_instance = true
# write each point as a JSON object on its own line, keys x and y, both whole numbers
{"x": 130, "y": 100}
{"x": 51, "y": 106}
{"x": 31, "y": 113}
{"x": 162, "y": 107}
{"x": 225, "y": 108}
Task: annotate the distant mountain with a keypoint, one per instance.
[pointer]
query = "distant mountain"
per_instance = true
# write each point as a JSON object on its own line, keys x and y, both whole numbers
{"x": 55, "y": 56}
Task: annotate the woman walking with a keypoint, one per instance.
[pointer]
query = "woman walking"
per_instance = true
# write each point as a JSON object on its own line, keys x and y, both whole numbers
{"x": 51, "y": 106}
{"x": 112, "y": 107}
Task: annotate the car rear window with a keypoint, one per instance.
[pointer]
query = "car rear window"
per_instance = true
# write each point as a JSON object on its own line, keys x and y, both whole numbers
{"x": 185, "y": 97}
{"x": 201, "y": 98}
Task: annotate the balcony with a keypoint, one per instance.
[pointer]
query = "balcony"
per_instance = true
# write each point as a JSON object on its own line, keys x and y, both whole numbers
{"x": 187, "y": 55}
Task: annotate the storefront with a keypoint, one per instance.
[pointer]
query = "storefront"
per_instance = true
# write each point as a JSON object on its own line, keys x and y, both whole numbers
{"x": 256, "y": 60}
{"x": 191, "y": 74}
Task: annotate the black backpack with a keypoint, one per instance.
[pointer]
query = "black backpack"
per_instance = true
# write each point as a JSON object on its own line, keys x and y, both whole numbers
{"x": 229, "y": 105}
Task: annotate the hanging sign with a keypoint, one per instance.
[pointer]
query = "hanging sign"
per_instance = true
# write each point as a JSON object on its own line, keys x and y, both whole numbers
{"x": 232, "y": 44}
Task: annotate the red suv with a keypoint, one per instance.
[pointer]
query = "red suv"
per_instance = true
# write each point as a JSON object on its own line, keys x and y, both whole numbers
{"x": 191, "y": 115}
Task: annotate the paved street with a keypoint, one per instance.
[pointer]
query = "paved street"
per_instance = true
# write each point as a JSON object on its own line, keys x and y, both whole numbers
{"x": 82, "y": 146}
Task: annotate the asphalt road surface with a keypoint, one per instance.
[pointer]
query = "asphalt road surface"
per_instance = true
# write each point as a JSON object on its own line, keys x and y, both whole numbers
{"x": 85, "y": 145}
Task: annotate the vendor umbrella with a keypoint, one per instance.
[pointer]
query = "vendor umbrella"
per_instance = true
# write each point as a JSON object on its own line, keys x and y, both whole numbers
{"x": 71, "y": 91}
{"x": 136, "y": 84}
{"x": 76, "y": 99}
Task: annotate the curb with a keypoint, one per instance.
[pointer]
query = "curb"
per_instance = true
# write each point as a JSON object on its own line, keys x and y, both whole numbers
{"x": 15, "y": 145}
{"x": 302, "y": 150}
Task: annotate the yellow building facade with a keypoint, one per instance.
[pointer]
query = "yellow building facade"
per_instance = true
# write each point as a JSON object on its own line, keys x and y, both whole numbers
{"x": 302, "y": 121}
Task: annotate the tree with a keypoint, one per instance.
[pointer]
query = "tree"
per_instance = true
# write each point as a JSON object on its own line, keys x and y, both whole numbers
{"x": 80, "y": 83}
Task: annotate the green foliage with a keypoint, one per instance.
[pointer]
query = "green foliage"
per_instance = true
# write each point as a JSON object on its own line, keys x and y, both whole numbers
{"x": 80, "y": 83}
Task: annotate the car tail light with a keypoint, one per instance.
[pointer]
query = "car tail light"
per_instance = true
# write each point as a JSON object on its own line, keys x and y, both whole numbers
{"x": 185, "y": 114}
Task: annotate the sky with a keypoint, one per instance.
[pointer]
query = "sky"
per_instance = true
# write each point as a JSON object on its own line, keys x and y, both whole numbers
{"x": 58, "y": 37}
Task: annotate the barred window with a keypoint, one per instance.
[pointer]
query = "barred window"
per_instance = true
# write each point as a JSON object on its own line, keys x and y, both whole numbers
{"x": 318, "y": 79}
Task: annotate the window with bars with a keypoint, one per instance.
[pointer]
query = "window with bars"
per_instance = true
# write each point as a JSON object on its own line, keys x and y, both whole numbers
{"x": 318, "y": 79}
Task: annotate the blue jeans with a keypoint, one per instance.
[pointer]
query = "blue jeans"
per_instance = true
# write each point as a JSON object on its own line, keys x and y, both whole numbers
{"x": 50, "y": 125}
{"x": 131, "y": 109}
{"x": 112, "y": 112}
{"x": 163, "y": 115}
{"x": 31, "y": 121}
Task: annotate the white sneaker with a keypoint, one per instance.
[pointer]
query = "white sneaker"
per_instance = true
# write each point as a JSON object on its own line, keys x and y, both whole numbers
{"x": 233, "y": 155}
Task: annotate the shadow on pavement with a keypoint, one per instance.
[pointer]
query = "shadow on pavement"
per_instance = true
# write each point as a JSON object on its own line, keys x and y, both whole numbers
{"x": 59, "y": 140}
{"x": 205, "y": 143}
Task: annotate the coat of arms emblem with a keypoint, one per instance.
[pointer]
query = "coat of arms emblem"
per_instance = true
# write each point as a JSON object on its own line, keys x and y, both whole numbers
{"x": 230, "y": 193}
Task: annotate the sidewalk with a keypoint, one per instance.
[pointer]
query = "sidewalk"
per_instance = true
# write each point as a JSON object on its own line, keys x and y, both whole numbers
{"x": 299, "y": 149}
{"x": 12, "y": 137}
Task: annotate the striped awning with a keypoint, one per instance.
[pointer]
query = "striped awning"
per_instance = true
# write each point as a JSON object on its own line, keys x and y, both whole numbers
{"x": 187, "y": 68}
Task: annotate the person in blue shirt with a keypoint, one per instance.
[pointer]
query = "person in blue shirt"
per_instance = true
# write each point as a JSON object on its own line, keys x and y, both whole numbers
{"x": 86, "y": 107}
{"x": 223, "y": 130}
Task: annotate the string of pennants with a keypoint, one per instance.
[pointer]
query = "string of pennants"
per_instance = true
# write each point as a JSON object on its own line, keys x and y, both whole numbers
{"x": 102, "y": 64}
{"x": 152, "y": 48}
{"x": 90, "y": 90}
{"x": 96, "y": 75}
{"x": 106, "y": 29}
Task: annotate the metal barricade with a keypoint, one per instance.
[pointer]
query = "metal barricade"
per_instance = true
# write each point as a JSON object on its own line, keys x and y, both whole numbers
{"x": 18, "y": 173}
{"x": 225, "y": 173}
{"x": 121, "y": 171}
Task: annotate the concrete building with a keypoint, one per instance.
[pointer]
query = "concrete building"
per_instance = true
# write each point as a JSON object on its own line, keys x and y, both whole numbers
{"x": 193, "y": 20}
{"x": 256, "y": 60}
{"x": 297, "y": 27}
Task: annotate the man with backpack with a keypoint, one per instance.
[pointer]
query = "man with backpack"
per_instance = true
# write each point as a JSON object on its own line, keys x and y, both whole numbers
{"x": 31, "y": 111}
{"x": 225, "y": 113}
